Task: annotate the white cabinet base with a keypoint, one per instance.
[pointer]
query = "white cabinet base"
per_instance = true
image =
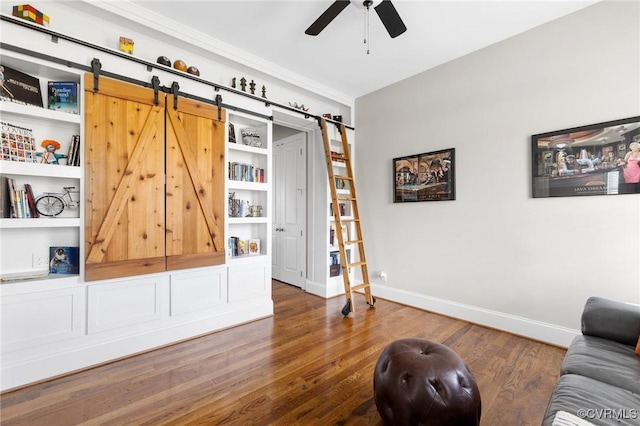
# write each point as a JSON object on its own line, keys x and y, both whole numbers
{"x": 123, "y": 318}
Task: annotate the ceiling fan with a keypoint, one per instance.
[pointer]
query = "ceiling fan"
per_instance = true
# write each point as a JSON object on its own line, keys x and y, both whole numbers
{"x": 385, "y": 10}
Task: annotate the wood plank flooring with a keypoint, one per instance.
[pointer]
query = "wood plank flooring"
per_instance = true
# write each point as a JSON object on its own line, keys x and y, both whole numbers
{"x": 306, "y": 365}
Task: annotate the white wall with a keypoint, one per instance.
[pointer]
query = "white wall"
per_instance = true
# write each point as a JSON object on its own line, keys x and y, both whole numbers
{"x": 496, "y": 255}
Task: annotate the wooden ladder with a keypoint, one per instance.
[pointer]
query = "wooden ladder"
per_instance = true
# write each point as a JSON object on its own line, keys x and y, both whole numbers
{"x": 336, "y": 199}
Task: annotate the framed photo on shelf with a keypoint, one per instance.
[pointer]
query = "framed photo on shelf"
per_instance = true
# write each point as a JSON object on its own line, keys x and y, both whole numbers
{"x": 425, "y": 177}
{"x": 596, "y": 159}
{"x": 254, "y": 246}
{"x": 232, "y": 133}
{"x": 64, "y": 260}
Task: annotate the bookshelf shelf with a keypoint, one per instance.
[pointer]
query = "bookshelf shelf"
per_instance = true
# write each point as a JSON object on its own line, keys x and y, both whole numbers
{"x": 240, "y": 220}
{"x": 10, "y": 223}
{"x": 43, "y": 282}
{"x": 250, "y": 186}
{"x": 41, "y": 113}
{"x": 39, "y": 169}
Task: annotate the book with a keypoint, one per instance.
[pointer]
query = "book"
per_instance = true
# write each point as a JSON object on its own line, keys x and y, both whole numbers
{"x": 11, "y": 186}
{"x": 18, "y": 143}
{"x": 242, "y": 247}
{"x": 5, "y": 205}
{"x": 18, "y": 87}
{"x": 73, "y": 154}
{"x": 345, "y": 233}
{"x": 31, "y": 199}
{"x": 63, "y": 96}
{"x": 64, "y": 260}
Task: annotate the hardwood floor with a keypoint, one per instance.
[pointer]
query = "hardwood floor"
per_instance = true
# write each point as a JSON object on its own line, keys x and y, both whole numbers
{"x": 306, "y": 365}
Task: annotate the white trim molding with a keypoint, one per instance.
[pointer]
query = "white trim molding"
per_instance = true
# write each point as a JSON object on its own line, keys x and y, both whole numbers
{"x": 544, "y": 332}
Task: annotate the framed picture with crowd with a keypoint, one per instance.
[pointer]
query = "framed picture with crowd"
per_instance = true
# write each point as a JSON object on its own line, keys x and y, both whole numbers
{"x": 597, "y": 159}
{"x": 425, "y": 177}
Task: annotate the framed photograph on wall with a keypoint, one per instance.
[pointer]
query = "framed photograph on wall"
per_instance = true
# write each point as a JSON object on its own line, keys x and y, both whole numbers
{"x": 597, "y": 159}
{"x": 425, "y": 177}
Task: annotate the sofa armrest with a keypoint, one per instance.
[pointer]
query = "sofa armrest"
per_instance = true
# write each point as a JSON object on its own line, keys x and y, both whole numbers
{"x": 611, "y": 320}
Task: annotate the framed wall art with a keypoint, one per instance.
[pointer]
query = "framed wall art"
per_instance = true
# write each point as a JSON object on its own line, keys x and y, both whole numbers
{"x": 425, "y": 177}
{"x": 597, "y": 159}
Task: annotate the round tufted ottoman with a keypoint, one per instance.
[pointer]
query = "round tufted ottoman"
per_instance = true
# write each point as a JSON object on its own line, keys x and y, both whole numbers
{"x": 419, "y": 382}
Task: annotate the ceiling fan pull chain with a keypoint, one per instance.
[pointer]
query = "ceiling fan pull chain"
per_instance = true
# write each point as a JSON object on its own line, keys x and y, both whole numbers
{"x": 366, "y": 28}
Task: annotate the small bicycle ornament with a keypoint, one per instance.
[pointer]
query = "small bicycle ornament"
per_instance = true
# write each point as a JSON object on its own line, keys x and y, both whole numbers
{"x": 53, "y": 203}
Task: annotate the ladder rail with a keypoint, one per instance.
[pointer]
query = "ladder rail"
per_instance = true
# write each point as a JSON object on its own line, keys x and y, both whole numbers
{"x": 345, "y": 158}
{"x": 356, "y": 214}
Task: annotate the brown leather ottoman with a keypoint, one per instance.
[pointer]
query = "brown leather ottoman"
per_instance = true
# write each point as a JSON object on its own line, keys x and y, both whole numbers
{"x": 419, "y": 382}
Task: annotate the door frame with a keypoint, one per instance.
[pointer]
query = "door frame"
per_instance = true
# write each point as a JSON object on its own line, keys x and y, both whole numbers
{"x": 297, "y": 140}
{"x": 310, "y": 129}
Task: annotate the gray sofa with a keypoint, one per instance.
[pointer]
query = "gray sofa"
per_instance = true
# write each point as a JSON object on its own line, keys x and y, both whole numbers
{"x": 600, "y": 374}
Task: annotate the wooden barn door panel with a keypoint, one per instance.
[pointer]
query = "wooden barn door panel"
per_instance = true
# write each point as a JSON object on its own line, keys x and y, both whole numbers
{"x": 195, "y": 185}
{"x": 124, "y": 185}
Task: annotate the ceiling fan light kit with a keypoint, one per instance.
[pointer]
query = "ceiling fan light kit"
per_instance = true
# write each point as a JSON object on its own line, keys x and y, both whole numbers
{"x": 385, "y": 10}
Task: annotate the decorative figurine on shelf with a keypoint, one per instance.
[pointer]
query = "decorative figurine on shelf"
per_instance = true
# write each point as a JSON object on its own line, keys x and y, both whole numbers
{"x": 243, "y": 84}
{"x": 30, "y": 13}
{"x": 163, "y": 60}
{"x": 180, "y": 65}
{"x": 193, "y": 71}
{"x": 234, "y": 205}
{"x": 264, "y": 91}
{"x": 252, "y": 87}
{"x": 300, "y": 107}
{"x": 50, "y": 156}
{"x": 126, "y": 45}
{"x": 233, "y": 83}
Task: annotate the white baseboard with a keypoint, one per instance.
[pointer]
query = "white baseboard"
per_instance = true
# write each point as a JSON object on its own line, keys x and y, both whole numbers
{"x": 323, "y": 290}
{"x": 24, "y": 367}
{"x": 544, "y": 332}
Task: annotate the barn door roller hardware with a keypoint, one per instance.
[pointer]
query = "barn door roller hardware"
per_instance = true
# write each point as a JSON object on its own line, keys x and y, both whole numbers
{"x": 96, "y": 66}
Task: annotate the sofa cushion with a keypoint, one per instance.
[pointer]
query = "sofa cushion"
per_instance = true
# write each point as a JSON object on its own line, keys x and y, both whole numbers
{"x": 603, "y": 360}
{"x": 611, "y": 320}
{"x": 596, "y": 402}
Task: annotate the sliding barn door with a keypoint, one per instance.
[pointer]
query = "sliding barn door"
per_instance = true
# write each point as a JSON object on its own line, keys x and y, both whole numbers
{"x": 124, "y": 180}
{"x": 195, "y": 184}
{"x": 134, "y": 224}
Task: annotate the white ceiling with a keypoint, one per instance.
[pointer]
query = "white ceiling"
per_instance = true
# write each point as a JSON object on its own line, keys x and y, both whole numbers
{"x": 437, "y": 32}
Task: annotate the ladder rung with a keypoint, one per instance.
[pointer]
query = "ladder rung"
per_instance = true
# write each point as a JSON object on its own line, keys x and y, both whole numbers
{"x": 356, "y": 264}
{"x": 347, "y": 198}
{"x": 349, "y": 220}
{"x": 359, "y": 286}
{"x": 339, "y": 157}
{"x": 353, "y": 242}
{"x": 342, "y": 177}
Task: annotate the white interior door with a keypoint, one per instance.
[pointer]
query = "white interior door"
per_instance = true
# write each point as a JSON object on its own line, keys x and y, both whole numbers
{"x": 290, "y": 210}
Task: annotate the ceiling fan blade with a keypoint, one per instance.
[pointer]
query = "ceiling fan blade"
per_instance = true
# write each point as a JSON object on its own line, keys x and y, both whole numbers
{"x": 326, "y": 18}
{"x": 390, "y": 18}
